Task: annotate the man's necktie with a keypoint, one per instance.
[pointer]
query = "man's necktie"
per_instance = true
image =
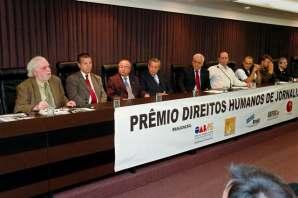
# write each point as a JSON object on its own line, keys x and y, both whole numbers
{"x": 91, "y": 91}
{"x": 128, "y": 88}
{"x": 48, "y": 95}
{"x": 198, "y": 83}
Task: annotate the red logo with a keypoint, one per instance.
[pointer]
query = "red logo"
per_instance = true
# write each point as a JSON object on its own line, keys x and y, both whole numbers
{"x": 289, "y": 106}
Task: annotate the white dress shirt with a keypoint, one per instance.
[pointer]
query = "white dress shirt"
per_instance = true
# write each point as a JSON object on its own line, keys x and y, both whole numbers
{"x": 223, "y": 77}
{"x": 241, "y": 75}
{"x": 127, "y": 80}
{"x": 155, "y": 76}
{"x": 127, "y": 84}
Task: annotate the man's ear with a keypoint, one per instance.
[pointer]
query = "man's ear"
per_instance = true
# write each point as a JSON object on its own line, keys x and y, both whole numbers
{"x": 227, "y": 189}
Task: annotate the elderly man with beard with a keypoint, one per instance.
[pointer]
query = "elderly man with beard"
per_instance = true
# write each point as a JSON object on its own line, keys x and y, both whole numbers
{"x": 41, "y": 90}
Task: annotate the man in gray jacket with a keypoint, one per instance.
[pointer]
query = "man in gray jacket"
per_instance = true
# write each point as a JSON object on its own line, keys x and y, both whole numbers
{"x": 84, "y": 87}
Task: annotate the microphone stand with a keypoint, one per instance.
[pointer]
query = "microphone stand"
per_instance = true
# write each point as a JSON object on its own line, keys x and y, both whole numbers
{"x": 230, "y": 88}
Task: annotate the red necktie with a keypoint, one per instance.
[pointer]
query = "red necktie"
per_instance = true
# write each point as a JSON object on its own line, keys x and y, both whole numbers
{"x": 198, "y": 84}
{"x": 91, "y": 91}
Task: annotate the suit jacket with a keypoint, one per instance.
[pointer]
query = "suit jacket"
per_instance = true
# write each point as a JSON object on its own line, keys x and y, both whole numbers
{"x": 266, "y": 77}
{"x": 186, "y": 81}
{"x": 151, "y": 86}
{"x": 282, "y": 75}
{"x": 28, "y": 94}
{"x": 77, "y": 89}
{"x": 116, "y": 87}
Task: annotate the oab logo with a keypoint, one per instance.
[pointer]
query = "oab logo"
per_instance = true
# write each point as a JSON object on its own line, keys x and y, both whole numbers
{"x": 230, "y": 126}
{"x": 204, "y": 132}
{"x": 252, "y": 121}
{"x": 289, "y": 106}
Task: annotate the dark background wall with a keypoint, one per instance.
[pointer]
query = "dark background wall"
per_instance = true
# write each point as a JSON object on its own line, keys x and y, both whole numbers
{"x": 60, "y": 29}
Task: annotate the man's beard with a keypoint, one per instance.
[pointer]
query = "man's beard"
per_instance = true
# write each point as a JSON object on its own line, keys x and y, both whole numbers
{"x": 45, "y": 78}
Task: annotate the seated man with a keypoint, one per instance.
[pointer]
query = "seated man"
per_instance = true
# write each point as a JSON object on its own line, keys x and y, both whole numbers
{"x": 85, "y": 87}
{"x": 194, "y": 77}
{"x": 267, "y": 69}
{"x": 248, "y": 71}
{"x": 152, "y": 81}
{"x": 41, "y": 90}
{"x": 251, "y": 182}
{"x": 124, "y": 84}
{"x": 281, "y": 71}
{"x": 221, "y": 76}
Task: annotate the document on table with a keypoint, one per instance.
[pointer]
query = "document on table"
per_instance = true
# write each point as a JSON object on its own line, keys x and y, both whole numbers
{"x": 238, "y": 87}
{"x": 14, "y": 117}
{"x": 215, "y": 91}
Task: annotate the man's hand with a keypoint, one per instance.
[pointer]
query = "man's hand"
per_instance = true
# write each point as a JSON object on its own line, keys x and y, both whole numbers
{"x": 71, "y": 103}
{"x": 256, "y": 68}
{"x": 40, "y": 106}
{"x": 270, "y": 68}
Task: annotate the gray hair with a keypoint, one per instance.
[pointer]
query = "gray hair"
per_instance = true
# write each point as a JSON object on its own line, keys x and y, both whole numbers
{"x": 251, "y": 182}
{"x": 33, "y": 63}
{"x": 198, "y": 55}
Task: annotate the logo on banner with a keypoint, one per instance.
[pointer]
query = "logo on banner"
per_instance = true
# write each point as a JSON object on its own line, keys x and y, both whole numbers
{"x": 272, "y": 115}
{"x": 204, "y": 132}
{"x": 289, "y": 106}
{"x": 252, "y": 121}
{"x": 230, "y": 126}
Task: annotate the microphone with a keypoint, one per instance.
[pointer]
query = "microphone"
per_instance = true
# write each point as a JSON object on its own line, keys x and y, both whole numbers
{"x": 230, "y": 88}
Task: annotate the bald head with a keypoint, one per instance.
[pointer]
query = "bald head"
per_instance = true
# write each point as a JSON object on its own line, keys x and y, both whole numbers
{"x": 197, "y": 61}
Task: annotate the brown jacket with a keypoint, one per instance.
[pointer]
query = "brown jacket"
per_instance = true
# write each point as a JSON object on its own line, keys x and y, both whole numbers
{"x": 28, "y": 94}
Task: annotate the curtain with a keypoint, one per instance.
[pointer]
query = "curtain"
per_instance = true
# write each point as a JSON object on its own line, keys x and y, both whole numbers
{"x": 61, "y": 29}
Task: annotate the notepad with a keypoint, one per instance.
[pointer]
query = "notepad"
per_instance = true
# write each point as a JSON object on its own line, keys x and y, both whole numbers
{"x": 214, "y": 91}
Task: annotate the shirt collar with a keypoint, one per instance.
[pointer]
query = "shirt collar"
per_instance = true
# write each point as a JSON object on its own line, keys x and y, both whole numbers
{"x": 124, "y": 77}
{"x": 223, "y": 67}
{"x": 40, "y": 83}
{"x": 84, "y": 75}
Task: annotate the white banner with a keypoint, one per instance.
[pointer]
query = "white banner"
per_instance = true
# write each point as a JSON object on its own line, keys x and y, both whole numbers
{"x": 152, "y": 131}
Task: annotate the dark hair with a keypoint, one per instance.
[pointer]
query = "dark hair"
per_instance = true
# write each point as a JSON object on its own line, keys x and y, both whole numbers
{"x": 125, "y": 59}
{"x": 222, "y": 52}
{"x": 83, "y": 55}
{"x": 251, "y": 182}
{"x": 265, "y": 56}
{"x": 249, "y": 57}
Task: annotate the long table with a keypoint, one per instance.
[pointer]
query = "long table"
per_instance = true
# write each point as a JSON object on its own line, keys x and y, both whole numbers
{"x": 46, "y": 154}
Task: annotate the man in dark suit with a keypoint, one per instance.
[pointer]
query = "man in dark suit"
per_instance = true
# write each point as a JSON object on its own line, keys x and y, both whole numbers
{"x": 85, "y": 87}
{"x": 152, "y": 81}
{"x": 281, "y": 70}
{"x": 41, "y": 90}
{"x": 124, "y": 84}
{"x": 194, "y": 77}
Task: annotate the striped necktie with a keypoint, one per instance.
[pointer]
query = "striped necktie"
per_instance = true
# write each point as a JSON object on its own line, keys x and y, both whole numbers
{"x": 128, "y": 88}
{"x": 91, "y": 91}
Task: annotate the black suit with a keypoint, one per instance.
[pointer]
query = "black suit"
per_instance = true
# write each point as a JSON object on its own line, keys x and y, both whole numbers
{"x": 282, "y": 75}
{"x": 151, "y": 86}
{"x": 186, "y": 80}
